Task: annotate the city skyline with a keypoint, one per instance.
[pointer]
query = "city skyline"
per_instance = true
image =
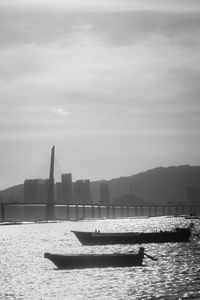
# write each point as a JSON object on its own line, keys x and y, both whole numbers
{"x": 169, "y": 186}
{"x": 113, "y": 84}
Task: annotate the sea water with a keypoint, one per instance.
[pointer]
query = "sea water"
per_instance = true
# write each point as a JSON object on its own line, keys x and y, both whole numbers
{"x": 26, "y": 275}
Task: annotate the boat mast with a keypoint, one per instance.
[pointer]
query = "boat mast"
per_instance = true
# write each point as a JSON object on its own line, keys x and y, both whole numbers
{"x": 50, "y": 213}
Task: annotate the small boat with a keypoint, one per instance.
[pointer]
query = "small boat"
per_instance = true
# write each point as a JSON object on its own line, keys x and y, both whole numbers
{"x": 81, "y": 261}
{"x": 110, "y": 238}
{"x": 192, "y": 216}
{"x": 10, "y": 223}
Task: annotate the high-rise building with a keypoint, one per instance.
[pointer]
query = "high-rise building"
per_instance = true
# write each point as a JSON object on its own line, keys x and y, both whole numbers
{"x": 58, "y": 191}
{"x": 67, "y": 188}
{"x": 82, "y": 193}
{"x": 104, "y": 193}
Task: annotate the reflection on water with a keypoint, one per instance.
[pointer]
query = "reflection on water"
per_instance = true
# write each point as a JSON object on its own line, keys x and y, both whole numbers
{"x": 25, "y": 274}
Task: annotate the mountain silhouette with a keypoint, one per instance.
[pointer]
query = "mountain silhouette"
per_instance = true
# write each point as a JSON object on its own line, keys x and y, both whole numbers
{"x": 162, "y": 185}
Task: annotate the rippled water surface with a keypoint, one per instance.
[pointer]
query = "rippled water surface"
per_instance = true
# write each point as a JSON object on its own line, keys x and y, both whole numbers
{"x": 25, "y": 274}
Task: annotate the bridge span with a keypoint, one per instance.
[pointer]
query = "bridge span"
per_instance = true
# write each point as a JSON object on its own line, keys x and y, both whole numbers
{"x": 38, "y": 212}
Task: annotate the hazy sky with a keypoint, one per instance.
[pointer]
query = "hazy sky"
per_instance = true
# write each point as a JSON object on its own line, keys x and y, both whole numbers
{"x": 114, "y": 84}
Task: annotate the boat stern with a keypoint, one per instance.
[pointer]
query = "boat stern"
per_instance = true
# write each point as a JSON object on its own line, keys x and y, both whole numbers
{"x": 141, "y": 251}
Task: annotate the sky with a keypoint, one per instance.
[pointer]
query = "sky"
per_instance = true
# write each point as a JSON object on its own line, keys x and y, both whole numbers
{"x": 113, "y": 84}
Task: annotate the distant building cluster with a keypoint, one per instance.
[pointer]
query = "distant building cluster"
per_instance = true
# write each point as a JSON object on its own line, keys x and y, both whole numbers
{"x": 66, "y": 191}
{"x": 193, "y": 194}
{"x": 104, "y": 193}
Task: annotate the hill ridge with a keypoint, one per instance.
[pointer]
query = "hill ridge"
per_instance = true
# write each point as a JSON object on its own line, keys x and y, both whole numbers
{"x": 161, "y": 185}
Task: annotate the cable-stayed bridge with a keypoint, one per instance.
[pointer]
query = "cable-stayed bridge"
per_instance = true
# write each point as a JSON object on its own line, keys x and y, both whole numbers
{"x": 52, "y": 210}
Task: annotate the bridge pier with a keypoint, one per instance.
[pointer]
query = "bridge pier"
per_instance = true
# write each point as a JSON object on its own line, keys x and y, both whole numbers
{"x": 175, "y": 210}
{"x": 50, "y": 212}
{"x": 127, "y": 211}
{"x": 163, "y": 210}
{"x": 136, "y": 211}
{"x": 92, "y": 211}
{"x": 122, "y": 211}
{"x": 67, "y": 212}
{"x": 148, "y": 211}
{"x": 76, "y": 212}
{"x": 99, "y": 212}
{"x": 108, "y": 211}
{"x": 83, "y": 211}
{"x": 142, "y": 211}
{"x": 156, "y": 211}
{"x": 113, "y": 211}
{"x": 183, "y": 210}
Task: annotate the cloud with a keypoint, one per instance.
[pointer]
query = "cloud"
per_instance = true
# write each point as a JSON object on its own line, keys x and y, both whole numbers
{"x": 127, "y": 72}
{"x": 106, "y": 6}
{"x": 60, "y": 111}
{"x": 109, "y": 88}
{"x": 44, "y": 24}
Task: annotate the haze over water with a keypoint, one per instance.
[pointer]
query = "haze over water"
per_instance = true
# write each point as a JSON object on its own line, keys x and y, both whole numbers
{"x": 25, "y": 274}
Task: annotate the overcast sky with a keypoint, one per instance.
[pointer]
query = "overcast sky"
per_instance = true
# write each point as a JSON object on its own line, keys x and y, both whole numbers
{"x": 114, "y": 84}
